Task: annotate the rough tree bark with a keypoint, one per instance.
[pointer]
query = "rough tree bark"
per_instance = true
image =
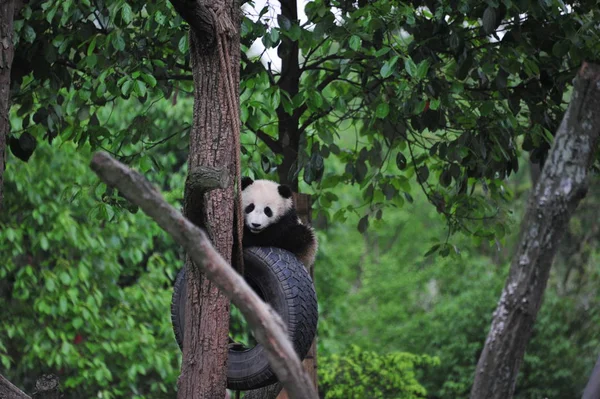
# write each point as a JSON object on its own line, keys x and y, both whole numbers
{"x": 289, "y": 81}
{"x": 268, "y": 328}
{"x": 592, "y": 389}
{"x": 9, "y": 391}
{"x": 46, "y": 387}
{"x": 561, "y": 186}
{"x": 8, "y": 9}
{"x": 212, "y": 138}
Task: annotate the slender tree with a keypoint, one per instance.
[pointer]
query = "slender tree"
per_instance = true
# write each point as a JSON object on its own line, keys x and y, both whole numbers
{"x": 560, "y": 188}
{"x": 7, "y": 52}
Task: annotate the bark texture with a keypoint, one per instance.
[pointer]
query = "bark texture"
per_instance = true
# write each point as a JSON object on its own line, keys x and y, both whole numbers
{"x": 212, "y": 138}
{"x": 561, "y": 186}
{"x": 46, "y": 387}
{"x": 9, "y": 391}
{"x": 267, "y": 326}
{"x": 203, "y": 373}
{"x": 592, "y": 389}
{"x": 7, "y": 51}
{"x": 289, "y": 132}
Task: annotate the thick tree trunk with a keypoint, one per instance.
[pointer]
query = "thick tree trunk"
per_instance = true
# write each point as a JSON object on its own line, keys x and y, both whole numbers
{"x": 7, "y": 51}
{"x": 562, "y": 184}
{"x": 205, "y": 347}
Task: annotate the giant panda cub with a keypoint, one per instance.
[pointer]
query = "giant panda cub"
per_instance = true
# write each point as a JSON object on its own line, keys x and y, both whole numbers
{"x": 270, "y": 220}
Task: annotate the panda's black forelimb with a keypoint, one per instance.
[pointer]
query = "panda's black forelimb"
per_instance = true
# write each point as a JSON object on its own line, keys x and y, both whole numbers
{"x": 287, "y": 234}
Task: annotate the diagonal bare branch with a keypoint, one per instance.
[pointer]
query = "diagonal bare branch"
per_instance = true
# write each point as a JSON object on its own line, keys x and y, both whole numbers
{"x": 267, "y": 326}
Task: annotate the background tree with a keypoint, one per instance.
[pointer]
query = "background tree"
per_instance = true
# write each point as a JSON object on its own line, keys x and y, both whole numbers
{"x": 7, "y": 9}
{"x": 562, "y": 184}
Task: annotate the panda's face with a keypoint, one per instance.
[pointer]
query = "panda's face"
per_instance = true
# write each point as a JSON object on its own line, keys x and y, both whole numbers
{"x": 264, "y": 202}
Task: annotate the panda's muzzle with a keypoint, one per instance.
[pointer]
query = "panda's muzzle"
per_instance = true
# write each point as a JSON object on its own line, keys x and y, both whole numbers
{"x": 255, "y": 228}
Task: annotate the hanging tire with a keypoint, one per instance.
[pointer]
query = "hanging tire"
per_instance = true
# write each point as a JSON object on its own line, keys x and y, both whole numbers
{"x": 281, "y": 281}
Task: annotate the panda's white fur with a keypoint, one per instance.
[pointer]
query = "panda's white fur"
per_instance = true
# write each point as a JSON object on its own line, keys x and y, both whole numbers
{"x": 263, "y": 194}
{"x": 270, "y": 219}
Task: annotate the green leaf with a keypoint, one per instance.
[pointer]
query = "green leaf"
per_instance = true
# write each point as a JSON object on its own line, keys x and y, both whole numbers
{"x": 355, "y": 42}
{"x": 118, "y": 42}
{"x": 50, "y": 285}
{"x": 149, "y": 79}
{"x": 126, "y": 13}
{"x": 410, "y": 67}
{"x": 383, "y": 51}
{"x": 383, "y": 109}
{"x": 316, "y": 99}
{"x": 140, "y": 88}
{"x": 294, "y": 33}
{"x": 388, "y": 67}
{"x": 401, "y": 161}
{"x": 44, "y": 243}
{"x": 65, "y": 278}
{"x": 126, "y": 88}
{"x": 283, "y": 22}
{"x": 489, "y": 20}
{"x": 183, "y": 45}
{"x": 423, "y": 173}
{"x": 274, "y": 35}
{"x": 62, "y": 304}
{"x": 77, "y": 322}
{"x": 28, "y": 34}
{"x": 432, "y": 250}
{"x": 92, "y": 46}
{"x": 422, "y": 69}
{"x": 363, "y": 224}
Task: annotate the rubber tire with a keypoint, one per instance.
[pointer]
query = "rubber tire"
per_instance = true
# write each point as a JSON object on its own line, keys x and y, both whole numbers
{"x": 283, "y": 282}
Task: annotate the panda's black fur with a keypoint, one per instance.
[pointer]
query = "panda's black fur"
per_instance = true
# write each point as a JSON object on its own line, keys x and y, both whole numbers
{"x": 284, "y": 230}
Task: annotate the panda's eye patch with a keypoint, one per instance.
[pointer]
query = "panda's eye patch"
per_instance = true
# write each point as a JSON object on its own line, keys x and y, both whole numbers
{"x": 249, "y": 208}
{"x": 268, "y": 212}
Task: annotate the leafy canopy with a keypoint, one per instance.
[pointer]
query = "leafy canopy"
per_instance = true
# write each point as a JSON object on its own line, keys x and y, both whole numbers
{"x": 440, "y": 97}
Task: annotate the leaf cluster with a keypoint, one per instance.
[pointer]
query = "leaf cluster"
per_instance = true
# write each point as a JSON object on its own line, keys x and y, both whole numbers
{"x": 357, "y": 373}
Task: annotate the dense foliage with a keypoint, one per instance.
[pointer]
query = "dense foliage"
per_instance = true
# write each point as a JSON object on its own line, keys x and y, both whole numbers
{"x": 442, "y": 98}
{"x": 85, "y": 289}
{"x": 363, "y": 374}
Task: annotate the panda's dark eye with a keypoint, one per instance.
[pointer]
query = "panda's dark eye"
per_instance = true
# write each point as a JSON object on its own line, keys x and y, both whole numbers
{"x": 249, "y": 208}
{"x": 268, "y": 212}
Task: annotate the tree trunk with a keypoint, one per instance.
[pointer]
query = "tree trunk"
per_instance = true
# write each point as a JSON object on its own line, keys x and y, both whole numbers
{"x": 561, "y": 186}
{"x": 289, "y": 132}
{"x": 7, "y": 51}
{"x": 212, "y": 138}
{"x": 592, "y": 389}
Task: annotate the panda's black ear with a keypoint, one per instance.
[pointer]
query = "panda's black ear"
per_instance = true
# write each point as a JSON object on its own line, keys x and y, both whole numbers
{"x": 246, "y": 181}
{"x": 284, "y": 191}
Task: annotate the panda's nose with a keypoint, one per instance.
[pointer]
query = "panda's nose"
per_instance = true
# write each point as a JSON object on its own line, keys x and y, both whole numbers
{"x": 255, "y": 224}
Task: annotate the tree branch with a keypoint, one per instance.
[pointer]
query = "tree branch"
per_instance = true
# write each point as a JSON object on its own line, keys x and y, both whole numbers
{"x": 9, "y": 391}
{"x": 300, "y": 110}
{"x": 197, "y": 15}
{"x": 268, "y": 140}
{"x": 267, "y": 326}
